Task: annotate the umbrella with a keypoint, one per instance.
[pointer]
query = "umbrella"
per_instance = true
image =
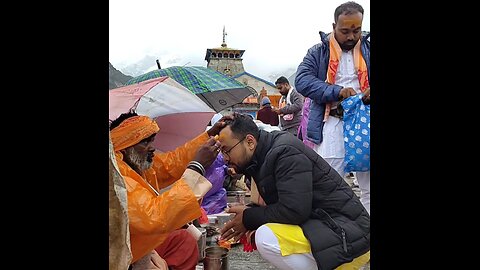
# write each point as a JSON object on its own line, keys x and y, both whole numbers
{"x": 180, "y": 114}
{"x": 214, "y": 88}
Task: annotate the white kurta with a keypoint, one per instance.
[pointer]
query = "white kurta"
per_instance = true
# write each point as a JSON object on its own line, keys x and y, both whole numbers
{"x": 332, "y": 145}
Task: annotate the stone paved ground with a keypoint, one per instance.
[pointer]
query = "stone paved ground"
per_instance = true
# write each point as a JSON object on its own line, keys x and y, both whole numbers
{"x": 240, "y": 260}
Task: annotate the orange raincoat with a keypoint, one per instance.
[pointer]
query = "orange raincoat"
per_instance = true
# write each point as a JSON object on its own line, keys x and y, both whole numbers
{"x": 152, "y": 218}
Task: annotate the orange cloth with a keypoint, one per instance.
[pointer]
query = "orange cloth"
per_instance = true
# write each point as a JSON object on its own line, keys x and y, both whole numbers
{"x": 359, "y": 62}
{"x": 152, "y": 218}
{"x": 180, "y": 250}
{"x": 282, "y": 103}
{"x": 132, "y": 130}
{"x": 274, "y": 99}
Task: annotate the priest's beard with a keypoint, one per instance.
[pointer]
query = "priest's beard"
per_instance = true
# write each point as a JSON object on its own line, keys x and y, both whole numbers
{"x": 138, "y": 162}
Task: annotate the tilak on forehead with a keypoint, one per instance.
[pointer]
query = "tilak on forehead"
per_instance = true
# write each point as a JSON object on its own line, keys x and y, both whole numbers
{"x": 352, "y": 23}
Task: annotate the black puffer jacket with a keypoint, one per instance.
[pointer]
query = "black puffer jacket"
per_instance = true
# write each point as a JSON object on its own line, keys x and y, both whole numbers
{"x": 299, "y": 187}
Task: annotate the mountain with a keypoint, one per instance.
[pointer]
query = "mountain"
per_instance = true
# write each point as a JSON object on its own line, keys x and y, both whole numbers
{"x": 116, "y": 78}
{"x": 143, "y": 66}
{"x": 286, "y": 73}
{"x": 291, "y": 79}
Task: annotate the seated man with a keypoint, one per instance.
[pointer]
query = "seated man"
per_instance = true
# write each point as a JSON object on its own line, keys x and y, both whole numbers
{"x": 311, "y": 218}
{"x": 161, "y": 188}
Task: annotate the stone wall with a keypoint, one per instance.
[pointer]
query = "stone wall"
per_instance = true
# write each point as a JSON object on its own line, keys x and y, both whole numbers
{"x": 257, "y": 85}
{"x": 220, "y": 64}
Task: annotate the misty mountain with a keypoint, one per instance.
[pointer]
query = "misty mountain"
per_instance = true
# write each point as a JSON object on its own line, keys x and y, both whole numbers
{"x": 291, "y": 79}
{"x": 286, "y": 73}
{"x": 143, "y": 66}
{"x": 116, "y": 78}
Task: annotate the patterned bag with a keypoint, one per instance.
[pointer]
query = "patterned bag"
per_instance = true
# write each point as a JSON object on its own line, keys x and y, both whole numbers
{"x": 356, "y": 133}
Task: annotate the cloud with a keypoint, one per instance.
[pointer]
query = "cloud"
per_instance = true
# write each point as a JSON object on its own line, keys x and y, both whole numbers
{"x": 274, "y": 34}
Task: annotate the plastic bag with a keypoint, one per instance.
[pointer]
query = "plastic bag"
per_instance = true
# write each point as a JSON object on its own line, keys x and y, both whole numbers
{"x": 215, "y": 203}
{"x": 356, "y": 132}
{"x": 216, "y": 174}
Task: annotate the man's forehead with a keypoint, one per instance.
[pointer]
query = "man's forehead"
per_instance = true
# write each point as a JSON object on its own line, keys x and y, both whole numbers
{"x": 225, "y": 134}
{"x": 351, "y": 21}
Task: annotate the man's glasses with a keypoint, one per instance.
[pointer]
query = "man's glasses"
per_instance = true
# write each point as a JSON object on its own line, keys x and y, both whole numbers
{"x": 226, "y": 152}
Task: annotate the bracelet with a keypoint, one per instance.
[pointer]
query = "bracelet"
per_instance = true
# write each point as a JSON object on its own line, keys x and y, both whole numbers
{"x": 198, "y": 165}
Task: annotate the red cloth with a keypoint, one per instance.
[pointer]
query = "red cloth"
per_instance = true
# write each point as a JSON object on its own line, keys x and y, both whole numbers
{"x": 180, "y": 250}
{"x": 248, "y": 241}
{"x": 204, "y": 218}
{"x": 267, "y": 116}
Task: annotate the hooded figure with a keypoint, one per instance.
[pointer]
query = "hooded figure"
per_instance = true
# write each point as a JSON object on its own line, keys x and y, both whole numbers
{"x": 265, "y": 114}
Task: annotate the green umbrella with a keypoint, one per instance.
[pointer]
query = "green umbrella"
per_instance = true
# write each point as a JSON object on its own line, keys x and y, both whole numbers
{"x": 214, "y": 88}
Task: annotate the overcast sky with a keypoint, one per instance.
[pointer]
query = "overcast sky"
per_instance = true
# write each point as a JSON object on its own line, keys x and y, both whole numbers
{"x": 275, "y": 34}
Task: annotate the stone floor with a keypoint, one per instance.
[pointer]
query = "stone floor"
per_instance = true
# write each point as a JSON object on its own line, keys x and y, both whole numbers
{"x": 240, "y": 260}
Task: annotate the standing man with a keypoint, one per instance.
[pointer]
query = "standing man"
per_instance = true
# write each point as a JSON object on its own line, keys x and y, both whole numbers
{"x": 289, "y": 107}
{"x": 336, "y": 68}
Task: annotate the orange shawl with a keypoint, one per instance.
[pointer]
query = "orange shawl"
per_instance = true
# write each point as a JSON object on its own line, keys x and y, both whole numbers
{"x": 360, "y": 67}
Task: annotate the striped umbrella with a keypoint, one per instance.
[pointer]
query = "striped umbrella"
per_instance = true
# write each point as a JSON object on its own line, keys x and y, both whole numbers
{"x": 214, "y": 88}
{"x": 180, "y": 114}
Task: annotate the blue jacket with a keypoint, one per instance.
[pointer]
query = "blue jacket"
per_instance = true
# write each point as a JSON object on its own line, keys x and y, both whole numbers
{"x": 311, "y": 82}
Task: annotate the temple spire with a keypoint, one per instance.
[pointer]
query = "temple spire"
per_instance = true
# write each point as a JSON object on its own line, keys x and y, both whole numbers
{"x": 224, "y": 34}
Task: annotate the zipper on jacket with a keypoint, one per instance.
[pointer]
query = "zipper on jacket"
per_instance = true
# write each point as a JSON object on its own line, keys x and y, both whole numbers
{"x": 336, "y": 226}
{"x": 344, "y": 239}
